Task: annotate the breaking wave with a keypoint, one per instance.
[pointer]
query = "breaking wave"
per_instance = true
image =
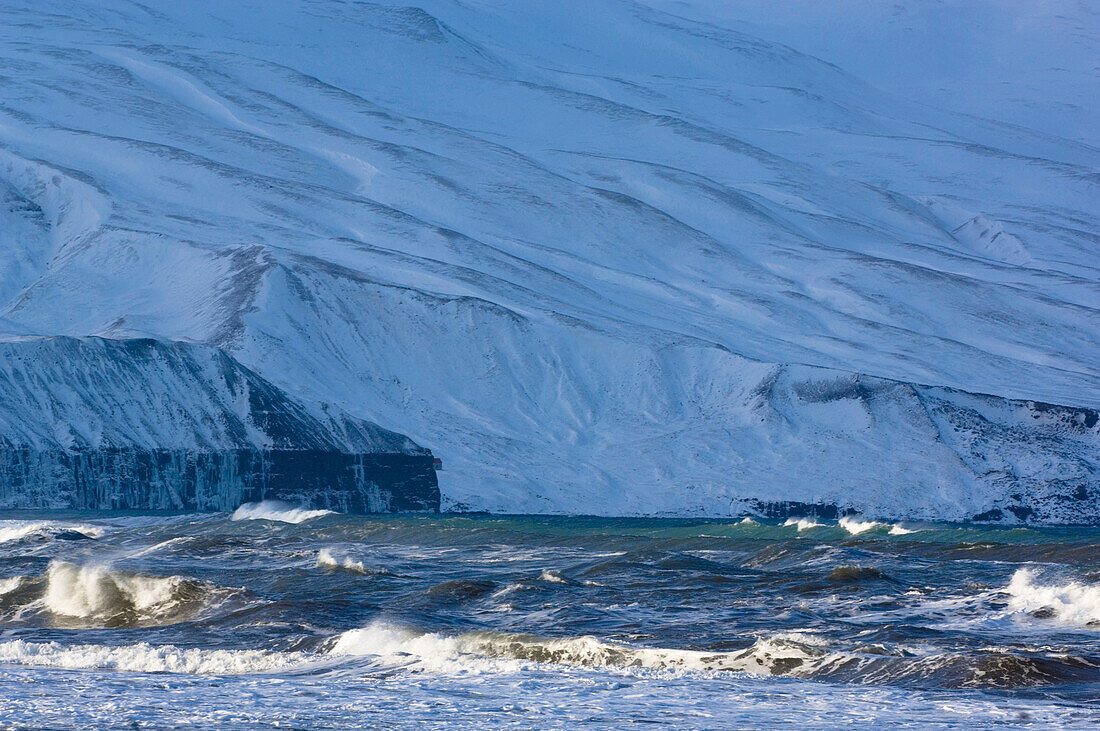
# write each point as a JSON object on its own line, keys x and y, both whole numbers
{"x": 277, "y": 511}
{"x": 803, "y": 523}
{"x": 488, "y": 651}
{"x": 100, "y": 596}
{"x": 1070, "y": 602}
{"x": 553, "y": 576}
{"x": 386, "y": 646}
{"x": 15, "y": 530}
{"x": 326, "y": 560}
{"x": 855, "y": 526}
{"x": 146, "y": 658}
{"x": 793, "y": 654}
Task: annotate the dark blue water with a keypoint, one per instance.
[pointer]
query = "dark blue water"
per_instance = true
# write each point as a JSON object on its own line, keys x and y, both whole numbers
{"x": 122, "y": 620}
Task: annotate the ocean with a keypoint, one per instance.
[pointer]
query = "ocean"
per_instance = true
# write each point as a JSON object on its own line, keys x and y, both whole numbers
{"x": 278, "y": 617}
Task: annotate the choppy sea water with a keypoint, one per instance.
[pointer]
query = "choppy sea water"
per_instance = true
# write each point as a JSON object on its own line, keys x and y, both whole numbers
{"x": 300, "y": 619}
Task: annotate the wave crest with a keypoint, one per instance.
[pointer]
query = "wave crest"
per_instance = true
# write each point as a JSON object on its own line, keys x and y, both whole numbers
{"x": 146, "y": 658}
{"x": 803, "y": 523}
{"x": 494, "y": 651}
{"x": 119, "y": 598}
{"x": 277, "y": 511}
{"x": 73, "y": 595}
{"x": 855, "y": 526}
{"x": 326, "y": 560}
{"x": 1070, "y": 602}
{"x": 15, "y": 530}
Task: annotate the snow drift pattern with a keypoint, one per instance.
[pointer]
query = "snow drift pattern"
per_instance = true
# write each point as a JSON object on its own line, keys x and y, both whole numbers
{"x": 620, "y": 261}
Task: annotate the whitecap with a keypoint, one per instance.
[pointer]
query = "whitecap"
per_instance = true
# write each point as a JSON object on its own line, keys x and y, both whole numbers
{"x": 325, "y": 560}
{"x": 552, "y": 576}
{"x": 803, "y": 523}
{"x": 1070, "y": 602}
{"x": 102, "y": 596}
{"x": 855, "y": 526}
{"x": 477, "y": 652}
{"x": 146, "y": 658}
{"x": 99, "y": 592}
{"x": 14, "y": 530}
{"x": 277, "y": 511}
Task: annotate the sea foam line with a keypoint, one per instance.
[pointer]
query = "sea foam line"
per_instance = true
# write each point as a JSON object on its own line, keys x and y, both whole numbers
{"x": 145, "y": 658}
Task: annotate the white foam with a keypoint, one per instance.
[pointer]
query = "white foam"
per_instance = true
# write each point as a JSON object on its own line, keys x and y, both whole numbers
{"x": 552, "y": 576}
{"x": 804, "y": 523}
{"x": 497, "y": 652}
{"x": 10, "y": 584}
{"x": 400, "y": 645}
{"x": 1070, "y": 602}
{"x": 856, "y": 526}
{"x": 102, "y": 593}
{"x": 14, "y": 530}
{"x": 145, "y": 658}
{"x": 898, "y": 530}
{"x": 275, "y": 510}
{"x": 158, "y": 546}
{"x": 471, "y": 653}
{"x": 325, "y": 560}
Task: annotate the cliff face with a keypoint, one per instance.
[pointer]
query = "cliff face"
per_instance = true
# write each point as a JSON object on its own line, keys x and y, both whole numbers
{"x": 142, "y": 424}
{"x": 215, "y": 480}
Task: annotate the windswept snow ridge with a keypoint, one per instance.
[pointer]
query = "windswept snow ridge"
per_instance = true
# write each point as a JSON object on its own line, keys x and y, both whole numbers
{"x": 617, "y": 258}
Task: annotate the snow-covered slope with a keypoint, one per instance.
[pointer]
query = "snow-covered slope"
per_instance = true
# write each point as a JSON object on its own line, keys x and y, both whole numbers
{"x": 86, "y": 394}
{"x": 104, "y": 424}
{"x": 568, "y": 246}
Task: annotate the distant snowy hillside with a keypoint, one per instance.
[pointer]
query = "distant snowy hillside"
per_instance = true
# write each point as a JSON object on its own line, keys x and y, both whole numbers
{"x": 607, "y": 257}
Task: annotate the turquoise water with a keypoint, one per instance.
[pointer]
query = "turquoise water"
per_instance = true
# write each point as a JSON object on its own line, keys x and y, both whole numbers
{"x": 138, "y": 620}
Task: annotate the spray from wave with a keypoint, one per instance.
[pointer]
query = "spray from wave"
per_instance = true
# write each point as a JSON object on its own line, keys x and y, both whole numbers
{"x": 803, "y": 523}
{"x": 855, "y": 526}
{"x": 495, "y": 652}
{"x": 276, "y": 511}
{"x": 15, "y": 530}
{"x": 326, "y": 560}
{"x": 1070, "y": 602}
{"x": 72, "y": 595}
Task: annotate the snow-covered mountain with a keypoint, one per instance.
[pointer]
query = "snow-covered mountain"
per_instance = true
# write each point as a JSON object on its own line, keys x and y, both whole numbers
{"x": 605, "y": 257}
